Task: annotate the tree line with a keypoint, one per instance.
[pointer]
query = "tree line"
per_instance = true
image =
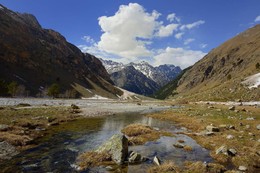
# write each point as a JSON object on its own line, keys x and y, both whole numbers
{"x": 13, "y": 89}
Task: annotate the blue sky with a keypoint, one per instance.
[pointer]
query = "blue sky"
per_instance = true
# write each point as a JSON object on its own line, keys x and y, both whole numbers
{"x": 176, "y": 32}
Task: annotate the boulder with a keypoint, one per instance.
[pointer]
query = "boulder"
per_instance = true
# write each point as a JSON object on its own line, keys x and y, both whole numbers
{"x": 117, "y": 146}
{"x": 258, "y": 127}
{"x": 7, "y": 151}
{"x": 212, "y": 128}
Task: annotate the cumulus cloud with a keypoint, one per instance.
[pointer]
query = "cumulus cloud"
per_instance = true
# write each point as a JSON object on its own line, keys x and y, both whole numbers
{"x": 257, "y": 19}
{"x": 179, "y": 35}
{"x": 178, "y": 56}
{"x": 188, "y": 41}
{"x": 166, "y": 31}
{"x": 172, "y": 17}
{"x": 121, "y": 31}
{"x": 192, "y": 25}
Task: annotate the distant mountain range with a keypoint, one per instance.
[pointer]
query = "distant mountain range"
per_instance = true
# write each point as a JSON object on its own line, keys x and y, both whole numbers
{"x": 36, "y": 58}
{"x": 229, "y": 72}
{"x": 141, "y": 78}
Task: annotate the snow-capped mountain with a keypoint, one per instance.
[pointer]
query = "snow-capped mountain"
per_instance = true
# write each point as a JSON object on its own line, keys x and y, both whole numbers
{"x": 156, "y": 76}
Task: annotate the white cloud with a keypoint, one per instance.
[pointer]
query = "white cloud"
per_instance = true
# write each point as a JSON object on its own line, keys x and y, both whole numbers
{"x": 188, "y": 41}
{"x": 179, "y": 35}
{"x": 166, "y": 31}
{"x": 178, "y": 56}
{"x": 203, "y": 45}
{"x": 192, "y": 25}
{"x": 88, "y": 39}
{"x": 121, "y": 31}
{"x": 172, "y": 17}
{"x": 257, "y": 19}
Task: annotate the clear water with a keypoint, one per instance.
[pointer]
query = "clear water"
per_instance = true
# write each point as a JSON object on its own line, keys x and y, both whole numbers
{"x": 58, "y": 150}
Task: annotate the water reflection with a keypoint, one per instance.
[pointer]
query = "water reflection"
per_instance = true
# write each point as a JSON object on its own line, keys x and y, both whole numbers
{"x": 59, "y": 150}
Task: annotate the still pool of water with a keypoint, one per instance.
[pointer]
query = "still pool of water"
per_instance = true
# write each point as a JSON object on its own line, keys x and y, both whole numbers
{"x": 58, "y": 150}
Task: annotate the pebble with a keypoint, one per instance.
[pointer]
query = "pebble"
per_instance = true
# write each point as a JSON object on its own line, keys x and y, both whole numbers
{"x": 178, "y": 145}
{"x": 232, "y": 152}
{"x": 157, "y": 161}
{"x": 242, "y": 168}
{"x": 232, "y": 108}
{"x": 250, "y": 118}
{"x": 230, "y": 137}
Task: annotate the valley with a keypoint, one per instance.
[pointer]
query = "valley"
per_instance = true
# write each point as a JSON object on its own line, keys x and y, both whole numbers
{"x": 147, "y": 92}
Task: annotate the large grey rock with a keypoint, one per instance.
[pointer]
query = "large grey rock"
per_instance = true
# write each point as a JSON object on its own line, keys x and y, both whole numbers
{"x": 117, "y": 146}
{"x": 211, "y": 128}
{"x": 258, "y": 127}
{"x": 7, "y": 151}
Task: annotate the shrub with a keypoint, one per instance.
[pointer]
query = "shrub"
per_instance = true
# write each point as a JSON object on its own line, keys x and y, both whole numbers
{"x": 257, "y": 65}
{"x": 53, "y": 90}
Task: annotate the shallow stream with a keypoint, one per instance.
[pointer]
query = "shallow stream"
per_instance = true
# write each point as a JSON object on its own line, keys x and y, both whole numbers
{"x": 58, "y": 150}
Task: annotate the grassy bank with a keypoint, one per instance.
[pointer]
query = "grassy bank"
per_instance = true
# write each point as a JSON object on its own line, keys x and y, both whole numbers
{"x": 22, "y": 124}
{"x": 237, "y": 130}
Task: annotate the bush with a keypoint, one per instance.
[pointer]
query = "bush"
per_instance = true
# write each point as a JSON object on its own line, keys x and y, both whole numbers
{"x": 54, "y": 90}
{"x": 3, "y": 88}
{"x": 229, "y": 77}
{"x": 12, "y": 88}
{"x": 257, "y": 65}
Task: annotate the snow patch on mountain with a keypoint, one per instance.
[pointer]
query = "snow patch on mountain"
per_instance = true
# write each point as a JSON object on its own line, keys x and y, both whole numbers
{"x": 161, "y": 74}
{"x": 252, "y": 81}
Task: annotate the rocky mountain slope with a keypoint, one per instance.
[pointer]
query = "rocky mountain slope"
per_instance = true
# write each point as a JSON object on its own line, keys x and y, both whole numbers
{"x": 220, "y": 74}
{"x": 141, "y": 78}
{"x": 36, "y": 58}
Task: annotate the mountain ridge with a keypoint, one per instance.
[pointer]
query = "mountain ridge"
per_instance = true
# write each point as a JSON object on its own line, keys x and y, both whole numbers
{"x": 219, "y": 75}
{"x": 148, "y": 78}
{"x": 36, "y": 58}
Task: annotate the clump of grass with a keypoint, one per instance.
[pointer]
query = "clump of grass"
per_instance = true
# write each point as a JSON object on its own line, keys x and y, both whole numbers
{"x": 187, "y": 148}
{"x": 139, "y": 134}
{"x": 167, "y": 167}
{"x": 93, "y": 159}
{"x": 199, "y": 167}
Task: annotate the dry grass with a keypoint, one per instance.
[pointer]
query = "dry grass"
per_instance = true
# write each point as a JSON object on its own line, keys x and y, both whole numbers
{"x": 25, "y": 123}
{"x": 199, "y": 167}
{"x": 92, "y": 159}
{"x": 187, "y": 148}
{"x": 197, "y": 117}
{"x": 167, "y": 167}
{"x": 139, "y": 134}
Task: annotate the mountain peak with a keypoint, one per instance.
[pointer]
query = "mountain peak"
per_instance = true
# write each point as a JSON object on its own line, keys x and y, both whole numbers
{"x": 158, "y": 76}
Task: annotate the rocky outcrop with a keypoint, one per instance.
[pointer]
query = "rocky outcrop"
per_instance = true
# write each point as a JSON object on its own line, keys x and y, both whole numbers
{"x": 117, "y": 147}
